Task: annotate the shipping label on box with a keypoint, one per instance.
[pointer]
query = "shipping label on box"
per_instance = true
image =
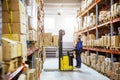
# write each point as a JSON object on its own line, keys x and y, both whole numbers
{"x": 16, "y": 28}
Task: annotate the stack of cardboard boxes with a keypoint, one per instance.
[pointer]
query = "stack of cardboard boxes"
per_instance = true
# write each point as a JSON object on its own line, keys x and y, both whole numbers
{"x": 115, "y": 10}
{"x": 14, "y": 30}
{"x": 100, "y": 66}
{"x": 116, "y": 71}
{"x": 47, "y": 39}
{"x": 93, "y": 60}
{"x": 55, "y": 40}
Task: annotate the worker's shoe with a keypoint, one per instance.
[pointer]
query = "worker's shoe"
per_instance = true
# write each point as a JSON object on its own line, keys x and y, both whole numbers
{"x": 77, "y": 66}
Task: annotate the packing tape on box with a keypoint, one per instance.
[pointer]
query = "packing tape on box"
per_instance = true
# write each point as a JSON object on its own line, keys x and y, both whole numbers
{"x": 7, "y": 5}
{"x": 11, "y": 17}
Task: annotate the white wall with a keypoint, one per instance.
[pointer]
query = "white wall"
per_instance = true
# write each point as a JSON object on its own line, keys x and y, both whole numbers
{"x": 66, "y": 22}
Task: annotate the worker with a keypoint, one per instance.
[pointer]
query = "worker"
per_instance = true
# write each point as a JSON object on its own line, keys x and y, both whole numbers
{"x": 78, "y": 51}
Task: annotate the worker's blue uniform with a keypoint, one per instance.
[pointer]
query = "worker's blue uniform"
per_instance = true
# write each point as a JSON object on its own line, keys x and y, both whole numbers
{"x": 78, "y": 53}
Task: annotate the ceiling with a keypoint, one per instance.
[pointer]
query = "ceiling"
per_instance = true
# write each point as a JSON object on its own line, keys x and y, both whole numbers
{"x": 64, "y": 7}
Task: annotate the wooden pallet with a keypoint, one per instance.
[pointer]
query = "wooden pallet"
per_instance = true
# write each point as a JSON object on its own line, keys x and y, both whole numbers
{"x": 115, "y": 16}
{"x": 114, "y": 48}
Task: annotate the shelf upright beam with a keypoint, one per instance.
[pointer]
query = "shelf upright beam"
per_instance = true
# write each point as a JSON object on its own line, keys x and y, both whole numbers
{"x": 111, "y": 32}
{"x": 33, "y": 60}
{"x": 88, "y": 31}
{"x": 96, "y": 25}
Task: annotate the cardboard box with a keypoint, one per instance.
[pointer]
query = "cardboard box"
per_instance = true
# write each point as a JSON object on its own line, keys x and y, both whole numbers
{"x": 101, "y": 58}
{"x": 32, "y": 35}
{"x": 10, "y": 66}
{"x": 9, "y": 49}
{"x": 16, "y": 37}
{"x": 26, "y": 71}
{"x": 88, "y": 60}
{"x": 55, "y": 40}
{"x": 115, "y": 41}
{"x": 14, "y": 16}
{"x": 109, "y": 41}
{"x": 24, "y": 52}
{"x": 22, "y": 77}
{"x": 47, "y": 39}
{"x": 103, "y": 67}
{"x": 16, "y": 28}
{"x": 32, "y": 75}
{"x": 1, "y": 53}
{"x": 13, "y": 5}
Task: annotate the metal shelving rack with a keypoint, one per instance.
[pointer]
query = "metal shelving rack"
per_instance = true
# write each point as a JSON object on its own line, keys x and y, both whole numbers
{"x": 96, "y": 27}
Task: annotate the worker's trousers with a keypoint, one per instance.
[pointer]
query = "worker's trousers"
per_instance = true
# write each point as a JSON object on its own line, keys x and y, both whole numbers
{"x": 78, "y": 59}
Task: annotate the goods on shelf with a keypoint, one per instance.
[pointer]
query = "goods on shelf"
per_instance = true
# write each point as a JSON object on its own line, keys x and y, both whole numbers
{"x": 84, "y": 39}
{"x": 44, "y": 55}
{"x": 22, "y": 77}
{"x": 11, "y": 49}
{"x": 85, "y": 4}
{"x": 88, "y": 60}
{"x": 16, "y": 37}
{"x": 104, "y": 15}
{"x": 15, "y": 28}
{"x": 1, "y": 53}
{"x": 93, "y": 59}
{"x": 89, "y": 21}
{"x": 32, "y": 74}
{"x": 55, "y": 40}
{"x": 115, "y": 41}
{"x": 15, "y": 16}
{"x": 32, "y": 35}
{"x": 91, "y": 37}
{"x": 108, "y": 66}
{"x": 26, "y": 71}
{"x": 10, "y": 66}
{"x": 47, "y": 39}
{"x": 100, "y": 66}
{"x": 115, "y": 10}
{"x": 12, "y": 5}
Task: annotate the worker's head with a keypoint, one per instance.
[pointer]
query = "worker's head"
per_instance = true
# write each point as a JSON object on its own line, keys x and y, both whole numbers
{"x": 78, "y": 39}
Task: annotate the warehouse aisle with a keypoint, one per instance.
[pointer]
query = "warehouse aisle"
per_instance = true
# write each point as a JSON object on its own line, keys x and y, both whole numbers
{"x": 50, "y": 72}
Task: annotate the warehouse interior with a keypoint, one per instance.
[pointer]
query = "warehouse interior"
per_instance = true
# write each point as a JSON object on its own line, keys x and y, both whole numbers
{"x": 39, "y": 39}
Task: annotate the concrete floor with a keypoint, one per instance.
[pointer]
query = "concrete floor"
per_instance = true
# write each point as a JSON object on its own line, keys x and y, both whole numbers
{"x": 84, "y": 73}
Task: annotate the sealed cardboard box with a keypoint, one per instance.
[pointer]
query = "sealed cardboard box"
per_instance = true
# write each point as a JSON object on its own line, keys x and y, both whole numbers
{"x": 32, "y": 75}
{"x": 24, "y": 52}
{"x": 91, "y": 36}
{"x": 26, "y": 70}
{"x": 16, "y": 28}
{"x": 10, "y": 66}
{"x": 14, "y": 16}
{"x": 115, "y": 41}
{"x": 32, "y": 35}
{"x": 109, "y": 41}
{"x": 16, "y": 37}
{"x": 88, "y": 60}
{"x": 12, "y": 5}
{"x": 101, "y": 58}
{"x": 9, "y": 49}
{"x": 55, "y": 40}
{"x": 22, "y": 77}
